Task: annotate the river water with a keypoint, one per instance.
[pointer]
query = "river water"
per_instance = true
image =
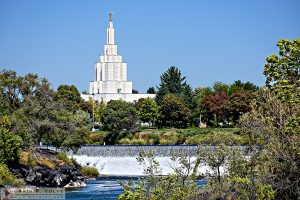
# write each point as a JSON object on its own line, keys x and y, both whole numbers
{"x": 118, "y": 163}
{"x": 103, "y": 188}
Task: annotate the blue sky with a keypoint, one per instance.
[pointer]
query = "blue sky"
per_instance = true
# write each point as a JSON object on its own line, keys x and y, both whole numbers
{"x": 211, "y": 40}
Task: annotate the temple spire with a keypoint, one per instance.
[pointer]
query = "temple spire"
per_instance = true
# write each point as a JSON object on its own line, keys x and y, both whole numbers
{"x": 110, "y": 31}
{"x": 110, "y": 16}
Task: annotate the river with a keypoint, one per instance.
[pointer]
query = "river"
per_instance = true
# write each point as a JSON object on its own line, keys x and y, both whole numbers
{"x": 103, "y": 188}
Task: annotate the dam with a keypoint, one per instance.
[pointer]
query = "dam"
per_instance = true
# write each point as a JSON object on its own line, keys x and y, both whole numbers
{"x": 120, "y": 160}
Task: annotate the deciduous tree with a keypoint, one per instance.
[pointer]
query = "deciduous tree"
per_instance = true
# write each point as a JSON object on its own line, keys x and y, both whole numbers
{"x": 174, "y": 112}
{"x": 283, "y": 71}
{"x": 119, "y": 116}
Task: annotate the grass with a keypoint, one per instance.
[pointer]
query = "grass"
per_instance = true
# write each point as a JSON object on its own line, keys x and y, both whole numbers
{"x": 47, "y": 163}
{"x": 26, "y": 158}
{"x": 88, "y": 171}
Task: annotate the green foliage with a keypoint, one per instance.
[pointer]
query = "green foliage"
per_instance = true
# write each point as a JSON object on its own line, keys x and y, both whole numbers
{"x": 171, "y": 82}
{"x": 239, "y": 85}
{"x": 9, "y": 143}
{"x": 89, "y": 171}
{"x": 70, "y": 97}
{"x": 174, "y": 186}
{"x": 7, "y": 178}
{"x": 129, "y": 193}
{"x": 148, "y": 111}
{"x": 174, "y": 112}
{"x": 220, "y": 86}
{"x": 132, "y": 141}
{"x": 15, "y": 89}
{"x": 151, "y": 90}
{"x": 63, "y": 156}
{"x": 282, "y": 71}
{"x": 97, "y": 137}
{"x": 216, "y": 138}
{"x": 277, "y": 159}
{"x": 119, "y": 116}
{"x": 266, "y": 192}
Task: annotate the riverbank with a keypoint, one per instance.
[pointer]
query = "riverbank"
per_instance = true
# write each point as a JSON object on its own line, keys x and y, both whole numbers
{"x": 172, "y": 136}
{"x": 47, "y": 168}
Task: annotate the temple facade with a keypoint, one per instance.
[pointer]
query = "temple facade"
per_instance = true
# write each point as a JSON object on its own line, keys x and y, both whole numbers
{"x": 111, "y": 74}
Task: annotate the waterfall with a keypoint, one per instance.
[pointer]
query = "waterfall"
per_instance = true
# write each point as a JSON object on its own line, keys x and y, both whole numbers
{"x": 120, "y": 160}
{"x": 134, "y": 150}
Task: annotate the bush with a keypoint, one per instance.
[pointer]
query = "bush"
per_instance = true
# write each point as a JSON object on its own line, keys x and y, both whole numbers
{"x": 63, "y": 156}
{"x": 89, "y": 171}
{"x": 26, "y": 158}
{"x": 168, "y": 138}
{"x": 138, "y": 141}
{"x": 215, "y": 138}
{"x": 154, "y": 138}
{"x": 97, "y": 137}
{"x": 125, "y": 141}
{"x": 10, "y": 144}
{"x": 7, "y": 177}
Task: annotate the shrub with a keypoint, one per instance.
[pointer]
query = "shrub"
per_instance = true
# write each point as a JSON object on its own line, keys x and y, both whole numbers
{"x": 10, "y": 144}
{"x": 63, "y": 156}
{"x": 138, "y": 141}
{"x": 215, "y": 138}
{"x": 26, "y": 158}
{"x": 7, "y": 177}
{"x": 154, "y": 138}
{"x": 89, "y": 171}
{"x": 97, "y": 137}
{"x": 124, "y": 141}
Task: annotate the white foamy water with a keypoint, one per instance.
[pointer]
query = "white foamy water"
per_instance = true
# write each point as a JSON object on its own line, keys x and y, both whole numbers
{"x": 128, "y": 166}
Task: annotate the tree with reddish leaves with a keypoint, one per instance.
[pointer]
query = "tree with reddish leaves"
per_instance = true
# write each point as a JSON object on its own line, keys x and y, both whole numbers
{"x": 238, "y": 103}
{"x": 212, "y": 106}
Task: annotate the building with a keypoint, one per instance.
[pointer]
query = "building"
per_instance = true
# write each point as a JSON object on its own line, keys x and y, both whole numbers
{"x": 111, "y": 74}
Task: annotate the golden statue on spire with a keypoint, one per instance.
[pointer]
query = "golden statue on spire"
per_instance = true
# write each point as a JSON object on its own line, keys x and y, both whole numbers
{"x": 110, "y": 16}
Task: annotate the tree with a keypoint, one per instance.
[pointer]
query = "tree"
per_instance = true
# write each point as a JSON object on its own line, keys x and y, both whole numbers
{"x": 33, "y": 120}
{"x": 282, "y": 71}
{"x": 174, "y": 112}
{"x": 69, "y": 96}
{"x": 14, "y": 90}
{"x": 119, "y": 116}
{"x": 148, "y": 110}
{"x": 151, "y": 90}
{"x": 239, "y": 85}
{"x": 212, "y": 106}
{"x": 220, "y": 86}
{"x": 171, "y": 82}
{"x": 239, "y": 103}
{"x": 134, "y": 91}
{"x": 187, "y": 96}
{"x": 277, "y": 158}
{"x": 10, "y": 145}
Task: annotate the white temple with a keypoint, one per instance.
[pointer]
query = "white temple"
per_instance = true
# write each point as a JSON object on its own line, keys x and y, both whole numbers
{"x": 111, "y": 74}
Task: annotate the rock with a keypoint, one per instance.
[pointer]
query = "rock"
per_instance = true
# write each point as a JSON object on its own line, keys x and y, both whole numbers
{"x": 75, "y": 184}
{"x": 43, "y": 176}
{"x": 30, "y": 177}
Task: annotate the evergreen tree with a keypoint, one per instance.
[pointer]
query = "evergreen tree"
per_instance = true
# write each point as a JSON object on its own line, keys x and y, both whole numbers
{"x": 171, "y": 83}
